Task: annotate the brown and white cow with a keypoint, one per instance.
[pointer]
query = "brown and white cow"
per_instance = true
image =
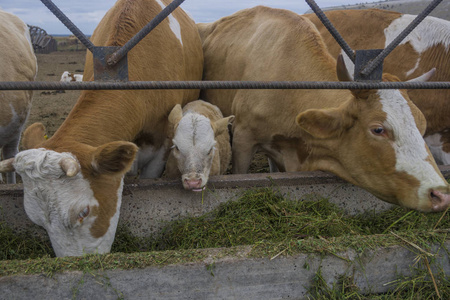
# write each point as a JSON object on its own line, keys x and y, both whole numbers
{"x": 426, "y": 47}
{"x": 201, "y": 144}
{"x": 371, "y": 138}
{"x": 73, "y": 181}
{"x": 70, "y": 77}
{"x": 17, "y": 63}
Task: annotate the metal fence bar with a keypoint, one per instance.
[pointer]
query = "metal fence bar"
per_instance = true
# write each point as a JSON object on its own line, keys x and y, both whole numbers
{"x": 66, "y": 21}
{"x": 115, "y": 57}
{"x": 165, "y": 85}
{"x": 326, "y": 22}
{"x": 376, "y": 61}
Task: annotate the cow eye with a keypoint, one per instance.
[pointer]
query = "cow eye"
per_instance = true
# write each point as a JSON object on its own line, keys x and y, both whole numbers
{"x": 379, "y": 130}
{"x": 83, "y": 214}
{"x": 210, "y": 150}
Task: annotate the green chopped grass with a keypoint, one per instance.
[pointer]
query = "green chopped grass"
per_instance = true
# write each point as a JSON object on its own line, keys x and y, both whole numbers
{"x": 22, "y": 245}
{"x": 260, "y": 216}
{"x": 263, "y": 215}
{"x": 419, "y": 286}
{"x": 272, "y": 225}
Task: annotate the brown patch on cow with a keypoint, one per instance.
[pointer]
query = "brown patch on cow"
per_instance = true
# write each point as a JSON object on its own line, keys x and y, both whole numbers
{"x": 364, "y": 29}
{"x": 105, "y": 191}
{"x": 104, "y": 168}
{"x": 33, "y": 136}
{"x": 114, "y": 157}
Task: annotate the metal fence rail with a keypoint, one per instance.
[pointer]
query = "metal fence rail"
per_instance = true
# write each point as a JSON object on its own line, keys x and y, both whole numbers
{"x": 115, "y": 57}
{"x": 163, "y": 85}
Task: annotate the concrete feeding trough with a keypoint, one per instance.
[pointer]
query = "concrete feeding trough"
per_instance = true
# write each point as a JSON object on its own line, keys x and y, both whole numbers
{"x": 226, "y": 273}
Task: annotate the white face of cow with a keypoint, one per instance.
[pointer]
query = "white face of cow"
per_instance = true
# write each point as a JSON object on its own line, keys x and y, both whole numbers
{"x": 62, "y": 203}
{"x": 412, "y": 155}
{"x": 75, "y": 198}
{"x": 194, "y": 148}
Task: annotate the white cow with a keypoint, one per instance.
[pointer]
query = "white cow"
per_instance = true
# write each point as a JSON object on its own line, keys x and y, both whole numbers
{"x": 70, "y": 77}
{"x": 17, "y": 63}
{"x": 201, "y": 144}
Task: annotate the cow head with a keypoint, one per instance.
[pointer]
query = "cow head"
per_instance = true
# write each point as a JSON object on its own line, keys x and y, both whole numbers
{"x": 374, "y": 140}
{"x": 194, "y": 146}
{"x": 65, "y": 77}
{"x": 75, "y": 196}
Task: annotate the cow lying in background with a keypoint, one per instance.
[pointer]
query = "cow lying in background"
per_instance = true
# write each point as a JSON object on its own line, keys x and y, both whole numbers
{"x": 68, "y": 77}
{"x": 371, "y": 138}
{"x": 73, "y": 181}
{"x": 426, "y": 47}
{"x": 17, "y": 63}
{"x": 201, "y": 144}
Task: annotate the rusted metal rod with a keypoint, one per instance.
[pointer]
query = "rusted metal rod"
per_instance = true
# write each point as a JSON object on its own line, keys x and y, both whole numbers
{"x": 66, "y": 21}
{"x": 376, "y": 61}
{"x": 119, "y": 54}
{"x": 164, "y": 85}
{"x": 326, "y": 22}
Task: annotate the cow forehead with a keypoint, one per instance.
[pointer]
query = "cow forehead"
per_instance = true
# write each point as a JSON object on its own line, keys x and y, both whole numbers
{"x": 411, "y": 153}
{"x": 194, "y": 130}
{"x": 40, "y": 163}
{"x": 398, "y": 112}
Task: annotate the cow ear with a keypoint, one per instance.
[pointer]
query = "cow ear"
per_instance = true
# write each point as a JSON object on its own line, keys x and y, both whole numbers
{"x": 175, "y": 115}
{"x": 221, "y": 126}
{"x": 322, "y": 123}
{"x": 114, "y": 157}
{"x": 33, "y": 136}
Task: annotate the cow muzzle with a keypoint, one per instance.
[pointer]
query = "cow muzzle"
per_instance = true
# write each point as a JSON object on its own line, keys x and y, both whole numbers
{"x": 194, "y": 182}
{"x": 439, "y": 200}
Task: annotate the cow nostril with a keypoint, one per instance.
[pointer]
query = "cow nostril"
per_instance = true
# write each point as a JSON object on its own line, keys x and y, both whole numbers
{"x": 434, "y": 197}
{"x": 439, "y": 200}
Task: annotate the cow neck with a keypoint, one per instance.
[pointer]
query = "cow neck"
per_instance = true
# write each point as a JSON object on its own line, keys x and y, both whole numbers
{"x": 100, "y": 117}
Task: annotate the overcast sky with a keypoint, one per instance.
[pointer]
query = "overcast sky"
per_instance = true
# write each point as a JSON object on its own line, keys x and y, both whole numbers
{"x": 86, "y": 14}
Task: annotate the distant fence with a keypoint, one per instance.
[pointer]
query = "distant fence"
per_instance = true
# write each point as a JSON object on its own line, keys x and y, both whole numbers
{"x": 52, "y": 46}
{"x": 41, "y": 41}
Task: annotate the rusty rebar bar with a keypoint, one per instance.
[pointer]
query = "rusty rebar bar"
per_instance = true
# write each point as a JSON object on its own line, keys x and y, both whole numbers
{"x": 164, "y": 85}
{"x": 68, "y": 23}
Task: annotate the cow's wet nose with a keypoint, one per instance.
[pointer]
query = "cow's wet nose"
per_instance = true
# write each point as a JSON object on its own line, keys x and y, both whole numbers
{"x": 439, "y": 200}
{"x": 193, "y": 184}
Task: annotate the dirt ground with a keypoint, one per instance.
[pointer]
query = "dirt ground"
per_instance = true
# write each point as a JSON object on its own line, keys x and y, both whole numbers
{"x": 52, "y": 107}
